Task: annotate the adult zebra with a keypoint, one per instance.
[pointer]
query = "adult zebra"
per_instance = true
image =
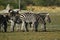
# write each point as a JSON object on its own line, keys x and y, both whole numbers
{"x": 14, "y": 19}
{"x": 46, "y": 18}
{"x": 3, "y": 22}
{"x": 34, "y": 20}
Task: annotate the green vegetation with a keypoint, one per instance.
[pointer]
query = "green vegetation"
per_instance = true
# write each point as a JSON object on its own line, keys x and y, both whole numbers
{"x": 24, "y": 3}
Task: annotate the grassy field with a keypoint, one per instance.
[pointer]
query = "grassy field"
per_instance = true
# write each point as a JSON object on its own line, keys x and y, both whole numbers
{"x": 53, "y": 30}
{"x": 30, "y": 36}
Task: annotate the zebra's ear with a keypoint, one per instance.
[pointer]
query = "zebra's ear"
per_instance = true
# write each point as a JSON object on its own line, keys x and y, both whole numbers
{"x": 10, "y": 10}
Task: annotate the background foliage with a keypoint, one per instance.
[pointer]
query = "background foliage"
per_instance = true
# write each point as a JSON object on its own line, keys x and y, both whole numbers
{"x": 24, "y": 3}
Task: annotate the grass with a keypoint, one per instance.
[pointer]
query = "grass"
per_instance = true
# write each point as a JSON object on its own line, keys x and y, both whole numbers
{"x": 30, "y": 36}
{"x": 53, "y": 31}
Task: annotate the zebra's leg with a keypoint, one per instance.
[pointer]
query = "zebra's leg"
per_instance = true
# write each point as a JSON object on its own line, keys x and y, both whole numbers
{"x": 23, "y": 26}
{"x": 32, "y": 26}
{"x": 5, "y": 27}
{"x": 0, "y": 27}
{"x": 36, "y": 26}
{"x": 17, "y": 27}
{"x": 26, "y": 24}
{"x": 43, "y": 26}
{"x": 12, "y": 26}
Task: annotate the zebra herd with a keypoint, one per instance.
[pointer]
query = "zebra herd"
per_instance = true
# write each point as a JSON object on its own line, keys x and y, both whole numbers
{"x": 33, "y": 19}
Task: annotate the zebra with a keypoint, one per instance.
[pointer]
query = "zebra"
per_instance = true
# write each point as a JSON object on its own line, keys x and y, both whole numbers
{"x": 46, "y": 18}
{"x": 34, "y": 20}
{"x": 14, "y": 19}
{"x": 30, "y": 18}
{"x": 3, "y": 22}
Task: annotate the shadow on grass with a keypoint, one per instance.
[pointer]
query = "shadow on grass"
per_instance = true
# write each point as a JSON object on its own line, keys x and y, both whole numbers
{"x": 50, "y": 31}
{"x": 34, "y": 31}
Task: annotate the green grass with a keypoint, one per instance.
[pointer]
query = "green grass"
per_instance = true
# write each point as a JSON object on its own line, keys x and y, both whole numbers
{"x": 30, "y": 36}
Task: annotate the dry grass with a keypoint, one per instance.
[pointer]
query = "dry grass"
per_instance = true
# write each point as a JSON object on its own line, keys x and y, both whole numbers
{"x": 44, "y": 9}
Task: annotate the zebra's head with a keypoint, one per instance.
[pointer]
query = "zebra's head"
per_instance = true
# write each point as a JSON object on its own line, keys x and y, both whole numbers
{"x": 13, "y": 14}
{"x": 47, "y": 18}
